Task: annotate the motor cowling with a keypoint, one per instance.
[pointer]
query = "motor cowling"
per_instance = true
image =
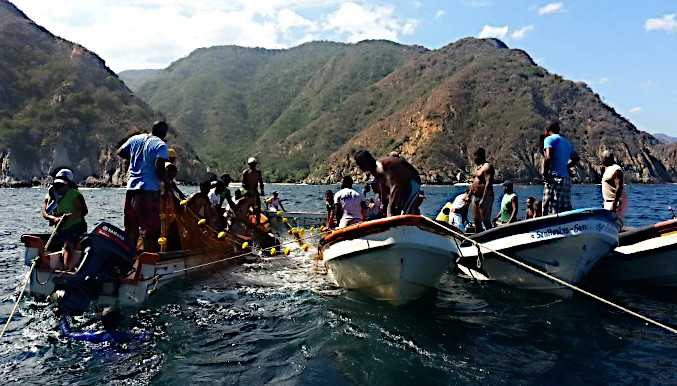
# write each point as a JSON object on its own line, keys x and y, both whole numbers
{"x": 108, "y": 254}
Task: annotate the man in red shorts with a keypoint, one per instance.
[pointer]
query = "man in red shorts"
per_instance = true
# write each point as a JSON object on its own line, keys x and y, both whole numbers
{"x": 147, "y": 154}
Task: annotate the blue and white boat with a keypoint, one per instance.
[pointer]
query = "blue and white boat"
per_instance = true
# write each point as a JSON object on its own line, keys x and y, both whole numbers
{"x": 565, "y": 245}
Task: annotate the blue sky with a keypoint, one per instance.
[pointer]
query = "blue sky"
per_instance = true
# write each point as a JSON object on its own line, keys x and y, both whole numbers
{"x": 625, "y": 50}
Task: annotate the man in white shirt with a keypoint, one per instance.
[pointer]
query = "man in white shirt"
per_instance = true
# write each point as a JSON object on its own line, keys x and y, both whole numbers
{"x": 351, "y": 207}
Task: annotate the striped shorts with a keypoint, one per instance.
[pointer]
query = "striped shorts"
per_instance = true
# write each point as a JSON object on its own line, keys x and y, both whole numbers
{"x": 557, "y": 195}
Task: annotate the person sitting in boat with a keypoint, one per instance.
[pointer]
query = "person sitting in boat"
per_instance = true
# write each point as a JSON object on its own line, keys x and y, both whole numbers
{"x": 199, "y": 203}
{"x": 274, "y": 203}
{"x": 351, "y": 207}
{"x": 399, "y": 182}
{"x": 110, "y": 318}
{"x": 331, "y": 208}
{"x": 482, "y": 189}
{"x": 372, "y": 210}
{"x": 509, "y": 207}
{"x": 530, "y": 209}
{"x": 456, "y": 213}
{"x": 613, "y": 187}
{"x": 66, "y": 209}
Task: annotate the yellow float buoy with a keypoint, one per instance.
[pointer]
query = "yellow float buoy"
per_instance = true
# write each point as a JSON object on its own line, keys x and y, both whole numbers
{"x": 305, "y": 247}
{"x": 294, "y": 231}
{"x": 245, "y": 245}
{"x": 287, "y": 251}
{"x": 162, "y": 241}
{"x": 221, "y": 235}
{"x": 284, "y": 220}
{"x": 312, "y": 229}
{"x": 273, "y": 252}
{"x": 183, "y": 202}
{"x": 302, "y": 232}
{"x": 163, "y": 216}
{"x": 201, "y": 222}
{"x": 279, "y": 213}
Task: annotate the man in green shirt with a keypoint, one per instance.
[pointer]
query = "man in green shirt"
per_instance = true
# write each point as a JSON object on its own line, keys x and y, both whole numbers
{"x": 508, "y": 212}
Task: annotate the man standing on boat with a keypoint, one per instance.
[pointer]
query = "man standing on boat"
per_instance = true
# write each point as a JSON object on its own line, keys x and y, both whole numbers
{"x": 613, "y": 188}
{"x": 350, "y": 206}
{"x": 509, "y": 207}
{"x": 559, "y": 157}
{"x": 399, "y": 182}
{"x": 147, "y": 154}
{"x": 251, "y": 177}
{"x": 482, "y": 191}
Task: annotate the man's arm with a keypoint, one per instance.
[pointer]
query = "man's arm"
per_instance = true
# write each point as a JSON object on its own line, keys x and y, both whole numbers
{"x": 363, "y": 210}
{"x": 160, "y": 171}
{"x": 261, "y": 182}
{"x": 487, "y": 178}
{"x": 547, "y": 158}
{"x": 513, "y": 216}
{"x": 618, "y": 181}
{"x": 573, "y": 160}
{"x": 338, "y": 212}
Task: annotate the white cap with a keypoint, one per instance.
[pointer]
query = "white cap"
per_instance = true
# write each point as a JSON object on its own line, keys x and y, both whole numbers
{"x": 252, "y": 160}
{"x": 60, "y": 181}
{"x": 64, "y": 173}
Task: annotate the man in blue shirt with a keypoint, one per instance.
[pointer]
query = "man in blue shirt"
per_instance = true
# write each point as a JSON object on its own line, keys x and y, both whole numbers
{"x": 147, "y": 154}
{"x": 559, "y": 157}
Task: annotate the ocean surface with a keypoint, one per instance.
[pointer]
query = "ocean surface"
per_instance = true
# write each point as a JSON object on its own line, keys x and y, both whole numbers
{"x": 281, "y": 321}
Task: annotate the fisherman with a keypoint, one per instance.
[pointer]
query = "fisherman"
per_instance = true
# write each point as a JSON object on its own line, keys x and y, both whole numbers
{"x": 351, "y": 207}
{"x": 456, "y": 213}
{"x": 173, "y": 190}
{"x": 65, "y": 207}
{"x": 613, "y": 187}
{"x": 274, "y": 202}
{"x": 559, "y": 157}
{"x": 398, "y": 181}
{"x": 531, "y": 210}
{"x": 251, "y": 180}
{"x": 172, "y": 156}
{"x": 110, "y": 318}
{"x": 482, "y": 190}
{"x": 331, "y": 208}
{"x": 225, "y": 194}
{"x": 509, "y": 207}
{"x": 147, "y": 155}
{"x": 199, "y": 202}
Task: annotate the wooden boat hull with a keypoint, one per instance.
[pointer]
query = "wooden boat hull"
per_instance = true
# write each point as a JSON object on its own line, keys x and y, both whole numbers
{"x": 645, "y": 257}
{"x": 395, "y": 260}
{"x": 566, "y": 245}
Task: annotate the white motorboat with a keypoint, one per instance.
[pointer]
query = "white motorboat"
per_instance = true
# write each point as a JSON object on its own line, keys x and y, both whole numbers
{"x": 395, "y": 259}
{"x": 645, "y": 257}
{"x": 565, "y": 245}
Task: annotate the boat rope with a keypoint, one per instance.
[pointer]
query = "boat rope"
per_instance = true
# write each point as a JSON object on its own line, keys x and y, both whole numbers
{"x": 562, "y": 282}
{"x": 21, "y": 294}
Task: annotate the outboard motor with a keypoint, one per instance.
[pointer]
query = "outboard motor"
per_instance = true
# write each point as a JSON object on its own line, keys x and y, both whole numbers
{"x": 108, "y": 253}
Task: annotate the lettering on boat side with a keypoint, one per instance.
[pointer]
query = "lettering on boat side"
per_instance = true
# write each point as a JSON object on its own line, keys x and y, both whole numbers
{"x": 560, "y": 231}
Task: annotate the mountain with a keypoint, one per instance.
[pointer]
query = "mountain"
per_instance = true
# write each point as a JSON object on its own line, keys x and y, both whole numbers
{"x": 61, "y": 106}
{"x": 135, "y": 78}
{"x": 665, "y": 138}
{"x": 303, "y": 111}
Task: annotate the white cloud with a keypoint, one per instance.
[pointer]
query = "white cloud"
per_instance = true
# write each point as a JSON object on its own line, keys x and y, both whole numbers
{"x": 520, "y": 33}
{"x": 666, "y": 23}
{"x": 493, "y": 32}
{"x": 152, "y": 33}
{"x": 416, "y": 4}
{"x": 603, "y": 80}
{"x": 355, "y": 22}
{"x": 550, "y": 8}
{"x": 635, "y": 110}
{"x": 647, "y": 84}
{"x": 439, "y": 14}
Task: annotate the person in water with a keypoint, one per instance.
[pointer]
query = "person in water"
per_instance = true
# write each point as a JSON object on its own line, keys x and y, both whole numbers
{"x": 252, "y": 179}
{"x": 613, "y": 186}
{"x": 66, "y": 209}
{"x": 331, "y": 208}
{"x": 351, "y": 207}
{"x": 559, "y": 157}
{"x": 399, "y": 182}
{"x": 274, "y": 202}
{"x": 110, "y": 318}
{"x": 147, "y": 155}
{"x": 482, "y": 190}
{"x": 509, "y": 206}
{"x": 530, "y": 209}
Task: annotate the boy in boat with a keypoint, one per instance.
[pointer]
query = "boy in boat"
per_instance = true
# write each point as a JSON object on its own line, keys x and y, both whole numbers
{"x": 251, "y": 177}
{"x": 147, "y": 155}
{"x": 65, "y": 208}
{"x": 350, "y": 205}
{"x": 399, "y": 182}
{"x": 274, "y": 203}
{"x": 509, "y": 207}
{"x": 482, "y": 190}
{"x": 559, "y": 157}
{"x": 531, "y": 210}
{"x": 613, "y": 187}
{"x": 331, "y": 208}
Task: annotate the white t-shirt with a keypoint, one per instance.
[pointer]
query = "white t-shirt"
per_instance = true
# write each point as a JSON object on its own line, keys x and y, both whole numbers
{"x": 351, "y": 203}
{"x": 214, "y": 198}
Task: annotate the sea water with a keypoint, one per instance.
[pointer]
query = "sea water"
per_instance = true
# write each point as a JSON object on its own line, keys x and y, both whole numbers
{"x": 279, "y": 319}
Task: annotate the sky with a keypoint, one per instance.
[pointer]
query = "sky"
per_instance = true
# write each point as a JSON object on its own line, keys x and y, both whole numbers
{"x": 625, "y": 50}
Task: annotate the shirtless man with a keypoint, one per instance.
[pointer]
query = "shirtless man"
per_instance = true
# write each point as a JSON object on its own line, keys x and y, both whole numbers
{"x": 482, "y": 191}
{"x": 398, "y": 182}
{"x": 251, "y": 177}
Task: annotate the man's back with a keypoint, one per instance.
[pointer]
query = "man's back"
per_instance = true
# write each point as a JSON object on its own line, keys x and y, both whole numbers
{"x": 250, "y": 179}
{"x": 562, "y": 150}
{"x": 143, "y": 150}
{"x": 351, "y": 202}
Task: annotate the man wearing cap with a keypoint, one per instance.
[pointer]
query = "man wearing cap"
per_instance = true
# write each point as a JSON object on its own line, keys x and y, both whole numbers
{"x": 147, "y": 155}
{"x": 559, "y": 157}
{"x": 252, "y": 178}
{"x": 65, "y": 208}
{"x": 508, "y": 212}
